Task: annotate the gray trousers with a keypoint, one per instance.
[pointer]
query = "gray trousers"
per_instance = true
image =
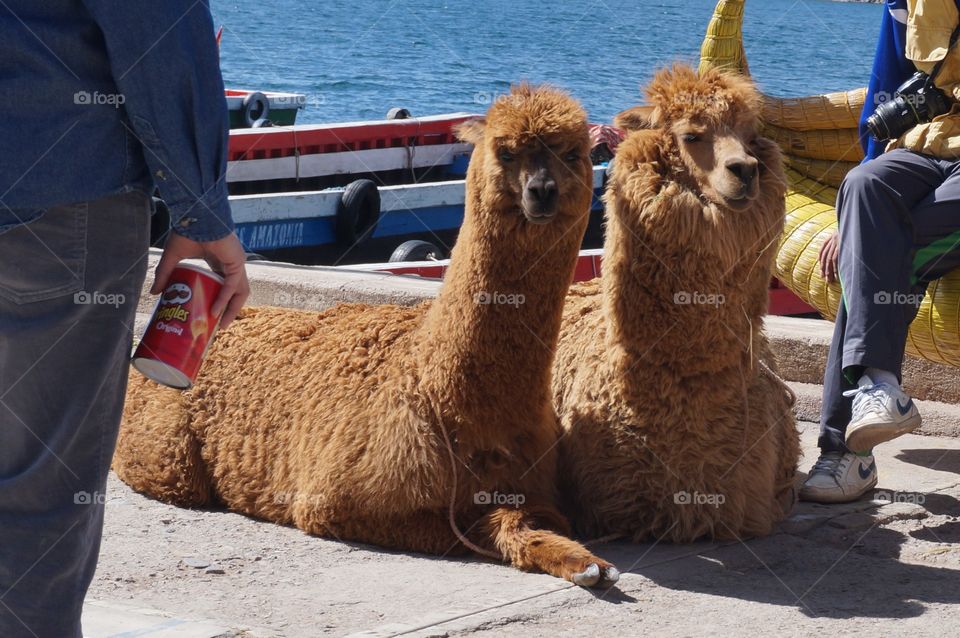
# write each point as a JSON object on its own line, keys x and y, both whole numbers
{"x": 899, "y": 230}
{"x": 69, "y": 286}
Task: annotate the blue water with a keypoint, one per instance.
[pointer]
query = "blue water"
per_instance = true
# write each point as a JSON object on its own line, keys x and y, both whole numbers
{"x": 355, "y": 59}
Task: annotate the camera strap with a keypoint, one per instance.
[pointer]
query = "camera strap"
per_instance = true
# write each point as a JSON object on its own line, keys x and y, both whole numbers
{"x": 953, "y": 41}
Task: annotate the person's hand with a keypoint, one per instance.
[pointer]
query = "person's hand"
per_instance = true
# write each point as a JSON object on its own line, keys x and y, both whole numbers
{"x": 829, "y": 257}
{"x": 225, "y": 256}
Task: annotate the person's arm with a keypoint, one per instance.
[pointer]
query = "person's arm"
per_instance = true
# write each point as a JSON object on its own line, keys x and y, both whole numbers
{"x": 164, "y": 61}
{"x": 829, "y": 258}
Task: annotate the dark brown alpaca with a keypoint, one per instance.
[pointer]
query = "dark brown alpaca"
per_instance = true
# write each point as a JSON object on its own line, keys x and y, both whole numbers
{"x": 339, "y": 422}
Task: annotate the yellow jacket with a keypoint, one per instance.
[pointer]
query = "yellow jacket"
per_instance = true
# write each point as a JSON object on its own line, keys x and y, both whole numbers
{"x": 930, "y": 24}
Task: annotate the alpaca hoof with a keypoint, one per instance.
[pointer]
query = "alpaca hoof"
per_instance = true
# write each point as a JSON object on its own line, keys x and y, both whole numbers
{"x": 610, "y": 577}
{"x": 596, "y": 576}
{"x": 588, "y": 577}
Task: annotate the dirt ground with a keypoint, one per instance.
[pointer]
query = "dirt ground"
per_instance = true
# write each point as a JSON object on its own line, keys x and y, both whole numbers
{"x": 888, "y": 565}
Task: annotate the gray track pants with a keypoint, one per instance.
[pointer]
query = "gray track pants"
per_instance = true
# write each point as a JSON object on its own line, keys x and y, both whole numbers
{"x": 69, "y": 285}
{"x": 899, "y": 230}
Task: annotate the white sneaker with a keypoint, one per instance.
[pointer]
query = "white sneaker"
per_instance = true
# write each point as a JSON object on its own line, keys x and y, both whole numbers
{"x": 880, "y": 412}
{"x": 839, "y": 477}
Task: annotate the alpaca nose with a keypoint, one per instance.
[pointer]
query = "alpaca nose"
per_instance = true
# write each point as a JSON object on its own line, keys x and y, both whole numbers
{"x": 744, "y": 170}
{"x": 542, "y": 189}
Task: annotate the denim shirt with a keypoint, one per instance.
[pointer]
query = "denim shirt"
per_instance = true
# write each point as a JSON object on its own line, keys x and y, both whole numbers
{"x": 104, "y": 96}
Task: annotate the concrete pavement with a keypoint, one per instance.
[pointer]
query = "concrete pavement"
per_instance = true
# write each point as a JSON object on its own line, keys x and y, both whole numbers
{"x": 887, "y": 565}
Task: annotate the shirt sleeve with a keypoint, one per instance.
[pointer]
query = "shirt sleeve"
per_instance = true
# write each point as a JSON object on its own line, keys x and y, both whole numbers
{"x": 164, "y": 60}
{"x": 930, "y": 25}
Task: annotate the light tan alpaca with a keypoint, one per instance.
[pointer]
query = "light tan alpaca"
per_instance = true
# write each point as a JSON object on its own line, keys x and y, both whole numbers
{"x": 673, "y": 428}
{"x": 337, "y": 422}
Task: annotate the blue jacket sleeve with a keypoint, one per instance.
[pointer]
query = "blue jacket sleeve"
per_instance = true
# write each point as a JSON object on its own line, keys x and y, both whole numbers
{"x": 164, "y": 61}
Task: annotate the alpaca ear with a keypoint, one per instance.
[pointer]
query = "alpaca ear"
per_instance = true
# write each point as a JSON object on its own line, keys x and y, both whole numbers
{"x": 642, "y": 147}
{"x": 471, "y": 131}
{"x": 656, "y": 117}
{"x": 637, "y": 118}
{"x": 640, "y": 163}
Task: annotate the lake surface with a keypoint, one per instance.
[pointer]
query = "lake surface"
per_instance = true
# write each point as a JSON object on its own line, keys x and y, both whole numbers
{"x": 355, "y": 59}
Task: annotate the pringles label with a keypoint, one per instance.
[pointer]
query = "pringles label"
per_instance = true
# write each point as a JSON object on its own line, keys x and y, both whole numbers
{"x": 181, "y": 329}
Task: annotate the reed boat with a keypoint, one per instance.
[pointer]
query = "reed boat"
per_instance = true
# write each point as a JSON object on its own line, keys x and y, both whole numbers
{"x": 820, "y": 139}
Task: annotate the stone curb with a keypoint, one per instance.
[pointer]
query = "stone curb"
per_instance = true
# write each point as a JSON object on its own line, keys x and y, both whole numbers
{"x": 315, "y": 287}
{"x": 801, "y": 347}
{"x": 939, "y": 419}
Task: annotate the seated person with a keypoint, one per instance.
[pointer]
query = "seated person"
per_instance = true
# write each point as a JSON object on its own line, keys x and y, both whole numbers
{"x": 899, "y": 215}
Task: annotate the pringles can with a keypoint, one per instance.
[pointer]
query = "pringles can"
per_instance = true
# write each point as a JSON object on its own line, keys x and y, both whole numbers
{"x": 181, "y": 329}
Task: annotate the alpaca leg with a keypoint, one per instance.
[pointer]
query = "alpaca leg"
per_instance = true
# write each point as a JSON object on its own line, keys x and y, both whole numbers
{"x": 156, "y": 453}
{"x": 525, "y": 538}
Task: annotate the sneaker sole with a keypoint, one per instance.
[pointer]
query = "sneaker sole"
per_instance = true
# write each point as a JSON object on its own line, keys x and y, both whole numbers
{"x": 835, "y": 496}
{"x": 865, "y": 437}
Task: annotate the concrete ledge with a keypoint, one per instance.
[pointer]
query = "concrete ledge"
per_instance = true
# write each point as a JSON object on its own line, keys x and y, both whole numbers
{"x": 801, "y": 347}
{"x": 316, "y": 287}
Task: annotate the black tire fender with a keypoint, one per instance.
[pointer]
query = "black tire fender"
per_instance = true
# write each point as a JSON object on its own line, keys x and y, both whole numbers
{"x": 256, "y": 106}
{"x": 415, "y": 250}
{"x": 398, "y": 113}
{"x": 358, "y": 213}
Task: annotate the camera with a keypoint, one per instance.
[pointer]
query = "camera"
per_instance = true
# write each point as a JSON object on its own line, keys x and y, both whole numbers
{"x": 918, "y": 100}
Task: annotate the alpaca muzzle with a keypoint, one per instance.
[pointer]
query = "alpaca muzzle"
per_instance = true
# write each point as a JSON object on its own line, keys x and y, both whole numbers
{"x": 540, "y": 198}
{"x": 743, "y": 177}
{"x": 745, "y": 171}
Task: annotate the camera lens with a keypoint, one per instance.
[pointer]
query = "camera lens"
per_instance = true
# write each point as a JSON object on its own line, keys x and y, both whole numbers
{"x": 877, "y": 128}
{"x": 894, "y": 118}
{"x": 917, "y": 100}
{"x": 891, "y": 119}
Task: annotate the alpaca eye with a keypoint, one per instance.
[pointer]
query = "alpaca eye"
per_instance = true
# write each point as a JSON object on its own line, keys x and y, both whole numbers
{"x": 690, "y": 138}
{"x": 506, "y": 156}
{"x": 572, "y": 157}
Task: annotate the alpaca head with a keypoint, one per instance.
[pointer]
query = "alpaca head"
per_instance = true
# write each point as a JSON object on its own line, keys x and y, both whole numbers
{"x": 711, "y": 133}
{"x": 695, "y": 175}
{"x": 531, "y": 159}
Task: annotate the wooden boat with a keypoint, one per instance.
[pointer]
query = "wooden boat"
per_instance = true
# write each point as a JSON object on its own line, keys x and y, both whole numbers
{"x": 256, "y": 109}
{"x": 355, "y": 192}
{"x": 819, "y": 136}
